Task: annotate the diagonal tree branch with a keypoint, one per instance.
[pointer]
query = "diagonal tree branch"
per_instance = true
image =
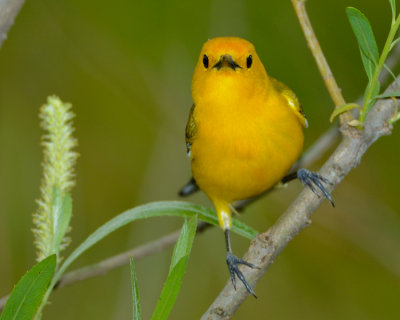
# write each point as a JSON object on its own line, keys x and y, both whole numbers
{"x": 267, "y": 246}
{"x": 8, "y": 11}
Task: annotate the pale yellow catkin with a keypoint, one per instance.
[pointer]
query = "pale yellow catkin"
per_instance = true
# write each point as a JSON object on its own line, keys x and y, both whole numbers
{"x": 58, "y": 169}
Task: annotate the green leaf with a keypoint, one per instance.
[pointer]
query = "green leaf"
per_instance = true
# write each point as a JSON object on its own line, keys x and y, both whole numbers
{"x": 366, "y": 40}
{"x": 62, "y": 212}
{"x": 170, "y": 290}
{"x": 184, "y": 244}
{"x": 26, "y": 296}
{"x": 137, "y": 313}
{"x": 390, "y": 94}
{"x": 153, "y": 209}
{"x": 343, "y": 108}
{"x": 177, "y": 269}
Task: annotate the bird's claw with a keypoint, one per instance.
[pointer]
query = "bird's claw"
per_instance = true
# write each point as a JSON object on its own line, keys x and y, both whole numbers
{"x": 233, "y": 262}
{"x": 312, "y": 180}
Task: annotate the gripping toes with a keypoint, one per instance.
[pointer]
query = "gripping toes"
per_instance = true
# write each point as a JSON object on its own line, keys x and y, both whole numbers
{"x": 313, "y": 180}
{"x": 233, "y": 262}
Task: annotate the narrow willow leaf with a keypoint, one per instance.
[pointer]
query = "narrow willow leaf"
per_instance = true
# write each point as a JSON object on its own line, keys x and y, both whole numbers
{"x": 343, "y": 108}
{"x": 136, "y": 312}
{"x": 177, "y": 269}
{"x": 390, "y": 94}
{"x": 153, "y": 209}
{"x": 170, "y": 290}
{"x": 365, "y": 38}
{"x": 62, "y": 212}
{"x": 26, "y": 296}
{"x": 184, "y": 244}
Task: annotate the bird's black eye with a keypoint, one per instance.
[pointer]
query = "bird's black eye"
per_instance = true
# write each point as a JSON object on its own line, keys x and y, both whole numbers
{"x": 249, "y": 61}
{"x": 205, "y": 61}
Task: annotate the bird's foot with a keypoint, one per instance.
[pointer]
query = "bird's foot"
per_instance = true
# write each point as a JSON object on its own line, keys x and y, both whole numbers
{"x": 312, "y": 180}
{"x": 233, "y": 263}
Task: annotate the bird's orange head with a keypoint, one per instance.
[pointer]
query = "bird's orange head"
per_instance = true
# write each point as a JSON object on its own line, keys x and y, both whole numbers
{"x": 228, "y": 60}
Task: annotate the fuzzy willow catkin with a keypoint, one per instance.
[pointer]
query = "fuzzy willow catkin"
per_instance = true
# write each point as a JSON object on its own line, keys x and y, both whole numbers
{"x": 58, "y": 170}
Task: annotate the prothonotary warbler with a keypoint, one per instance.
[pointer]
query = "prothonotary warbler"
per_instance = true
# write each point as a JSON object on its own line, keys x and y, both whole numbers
{"x": 244, "y": 133}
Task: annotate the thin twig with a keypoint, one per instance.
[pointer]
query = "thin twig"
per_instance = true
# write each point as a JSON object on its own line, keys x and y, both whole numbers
{"x": 102, "y": 267}
{"x": 324, "y": 69}
{"x": 8, "y": 11}
{"x": 267, "y": 246}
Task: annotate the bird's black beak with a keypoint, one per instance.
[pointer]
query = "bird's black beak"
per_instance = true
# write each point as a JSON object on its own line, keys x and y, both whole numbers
{"x": 226, "y": 61}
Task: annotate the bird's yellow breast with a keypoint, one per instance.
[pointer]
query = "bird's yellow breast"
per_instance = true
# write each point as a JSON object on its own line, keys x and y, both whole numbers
{"x": 246, "y": 138}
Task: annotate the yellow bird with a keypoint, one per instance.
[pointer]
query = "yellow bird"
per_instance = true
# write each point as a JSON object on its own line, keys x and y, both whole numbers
{"x": 244, "y": 133}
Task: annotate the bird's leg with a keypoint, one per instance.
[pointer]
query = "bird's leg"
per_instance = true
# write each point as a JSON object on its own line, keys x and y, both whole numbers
{"x": 233, "y": 263}
{"x": 189, "y": 188}
{"x": 311, "y": 180}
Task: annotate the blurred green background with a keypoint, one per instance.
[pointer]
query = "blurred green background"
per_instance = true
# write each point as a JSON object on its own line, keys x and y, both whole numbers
{"x": 126, "y": 67}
